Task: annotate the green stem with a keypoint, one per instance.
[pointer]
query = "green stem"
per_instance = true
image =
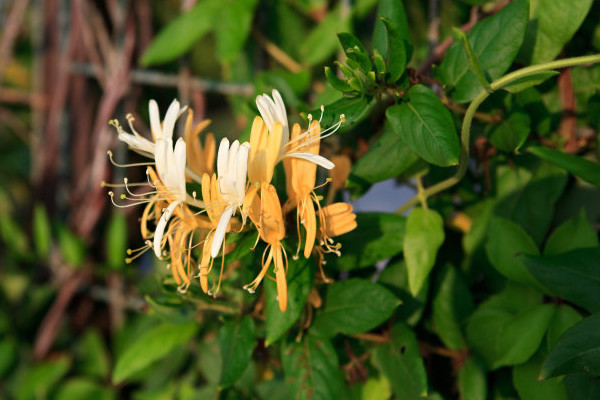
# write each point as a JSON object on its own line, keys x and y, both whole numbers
{"x": 466, "y": 126}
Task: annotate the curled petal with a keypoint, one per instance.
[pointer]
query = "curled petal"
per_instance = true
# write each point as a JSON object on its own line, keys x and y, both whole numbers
{"x": 170, "y": 119}
{"x": 220, "y": 232}
{"x": 313, "y": 158}
{"x": 154, "y": 120}
{"x": 160, "y": 228}
{"x": 223, "y": 157}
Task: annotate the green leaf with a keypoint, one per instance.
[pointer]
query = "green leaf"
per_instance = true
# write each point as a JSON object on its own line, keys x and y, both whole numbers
{"x": 385, "y": 233}
{"x": 424, "y": 236}
{"x": 584, "y": 169}
{"x": 42, "y": 232}
{"x": 355, "y": 50}
{"x": 321, "y": 42}
{"x": 576, "y": 233}
{"x": 452, "y": 305}
{"x": 311, "y": 369}
{"x": 299, "y": 285}
{"x": 354, "y": 306}
{"x": 528, "y": 81}
{"x": 510, "y": 134}
{"x": 400, "y": 361}
{"x": 388, "y": 157}
{"x": 235, "y": 19}
{"x": 553, "y": 23}
{"x": 171, "y": 310}
{"x": 83, "y": 388}
{"x": 392, "y": 10}
{"x": 581, "y": 387}
{"x": 116, "y": 241}
{"x": 495, "y": 42}
{"x": 354, "y": 110}
{"x": 236, "y": 339}
{"x": 399, "y": 49}
{"x": 472, "y": 380}
{"x": 472, "y": 59}
{"x": 71, "y": 247}
{"x": 39, "y": 379}
{"x": 376, "y": 389}
{"x": 527, "y": 385}
{"x": 91, "y": 355}
{"x": 508, "y": 328}
{"x": 564, "y": 318}
{"x": 337, "y": 83}
{"x": 151, "y": 346}
{"x": 426, "y": 126}
{"x": 9, "y": 355}
{"x": 577, "y": 351}
{"x": 573, "y": 276}
{"x": 506, "y": 241}
{"x": 182, "y": 33}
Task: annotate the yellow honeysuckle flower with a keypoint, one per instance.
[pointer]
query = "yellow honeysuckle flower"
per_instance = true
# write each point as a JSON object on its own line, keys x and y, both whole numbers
{"x": 265, "y": 212}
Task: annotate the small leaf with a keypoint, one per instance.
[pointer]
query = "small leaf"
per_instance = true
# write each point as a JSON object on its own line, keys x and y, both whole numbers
{"x": 472, "y": 59}
{"x": 91, "y": 355}
{"x": 385, "y": 233}
{"x": 39, "y": 379}
{"x": 506, "y": 240}
{"x": 426, "y": 126}
{"x": 424, "y": 236}
{"x": 151, "y": 346}
{"x": 116, "y": 241}
{"x": 311, "y": 369}
{"x": 528, "y": 81}
{"x": 472, "y": 380}
{"x": 577, "y": 351}
{"x": 400, "y": 361}
{"x": 42, "y": 232}
{"x": 83, "y": 388}
{"x": 355, "y": 50}
{"x": 354, "y": 110}
{"x": 182, "y": 33}
{"x": 573, "y": 276}
{"x": 354, "y": 306}
{"x": 236, "y": 339}
{"x": 576, "y": 233}
{"x": 71, "y": 247}
{"x": 584, "y": 169}
{"x": 398, "y": 51}
{"x": 525, "y": 379}
{"x": 299, "y": 284}
{"x": 510, "y": 134}
{"x": 337, "y": 83}
{"x": 392, "y": 10}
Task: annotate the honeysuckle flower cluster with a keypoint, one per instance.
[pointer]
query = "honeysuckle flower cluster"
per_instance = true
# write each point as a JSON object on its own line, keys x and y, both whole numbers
{"x": 189, "y": 229}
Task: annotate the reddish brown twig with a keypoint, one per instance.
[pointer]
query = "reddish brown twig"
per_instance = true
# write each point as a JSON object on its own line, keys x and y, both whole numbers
{"x": 568, "y": 126}
{"x": 10, "y": 31}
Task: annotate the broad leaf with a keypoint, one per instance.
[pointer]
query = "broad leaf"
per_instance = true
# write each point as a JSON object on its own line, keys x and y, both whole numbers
{"x": 235, "y": 19}
{"x": 426, "y": 126}
{"x": 576, "y": 233}
{"x": 38, "y": 379}
{"x": 495, "y": 42}
{"x": 573, "y": 276}
{"x": 83, "y": 388}
{"x": 399, "y": 49}
{"x": 236, "y": 340}
{"x": 392, "y": 10}
{"x": 525, "y": 379}
{"x": 528, "y": 81}
{"x": 311, "y": 369}
{"x": 400, "y": 361}
{"x": 510, "y": 134}
{"x": 577, "y": 351}
{"x": 582, "y": 387}
{"x": 354, "y": 111}
{"x": 299, "y": 284}
{"x": 565, "y": 317}
{"x": 584, "y": 169}
{"x": 472, "y": 380}
{"x": 354, "y": 306}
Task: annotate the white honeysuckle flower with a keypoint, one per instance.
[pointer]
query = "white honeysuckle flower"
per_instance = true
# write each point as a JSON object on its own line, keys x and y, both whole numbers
{"x": 272, "y": 110}
{"x": 170, "y": 166}
{"x": 159, "y": 131}
{"x": 232, "y": 166}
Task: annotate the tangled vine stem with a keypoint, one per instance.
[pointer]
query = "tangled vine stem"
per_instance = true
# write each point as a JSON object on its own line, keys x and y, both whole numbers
{"x": 470, "y": 113}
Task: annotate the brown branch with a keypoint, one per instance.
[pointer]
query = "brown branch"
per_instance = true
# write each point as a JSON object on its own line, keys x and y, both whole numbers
{"x": 16, "y": 96}
{"x": 568, "y": 123}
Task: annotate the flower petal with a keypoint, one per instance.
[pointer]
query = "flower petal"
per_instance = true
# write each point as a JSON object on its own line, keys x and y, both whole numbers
{"x": 222, "y": 157}
{"x": 170, "y": 119}
{"x": 154, "y": 120}
{"x": 220, "y": 232}
{"x": 160, "y": 228}
{"x": 313, "y": 158}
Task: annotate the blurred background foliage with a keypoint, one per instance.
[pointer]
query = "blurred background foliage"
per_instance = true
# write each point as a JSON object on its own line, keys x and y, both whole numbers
{"x": 476, "y": 322}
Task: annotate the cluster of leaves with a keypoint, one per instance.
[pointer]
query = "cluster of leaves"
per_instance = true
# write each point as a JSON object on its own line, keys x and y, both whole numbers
{"x": 487, "y": 290}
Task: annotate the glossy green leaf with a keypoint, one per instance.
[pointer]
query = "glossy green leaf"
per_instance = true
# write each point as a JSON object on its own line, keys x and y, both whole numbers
{"x": 577, "y": 351}
{"x": 399, "y": 49}
{"x": 495, "y": 42}
{"x": 525, "y": 379}
{"x": 576, "y": 233}
{"x": 42, "y": 231}
{"x": 236, "y": 340}
{"x": 311, "y": 369}
{"x": 354, "y": 110}
{"x": 426, "y": 126}
{"x": 508, "y": 328}
{"x": 354, "y": 306}
{"x": 472, "y": 380}
{"x": 388, "y": 157}
{"x": 510, "y": 134}
{"x": 506, "y": 241}
{"x": 472, "y": 59}
{"x": 424, "y": 236}
{"x": 528, "y": 81}
{"x": 573, "y": 276}
{"x": 299, "y": 284}
{"x": 587, "y": 170}
{"x": 182, "y": 33}
{"x": 400, "y": 361}
{"x": 385, "y": 233}
{"x": 116, "y": 241}
{"x": 235, "y": 19}
{"x": 392, "y": 10}
{"x": 151, "y": 346}
{"x": 565, "y": 317}
{"x": 452, "y": 305}
{"x": 553, "y": 23}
